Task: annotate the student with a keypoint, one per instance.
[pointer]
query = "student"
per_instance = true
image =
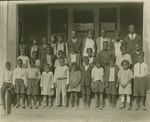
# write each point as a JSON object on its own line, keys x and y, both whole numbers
{"x": 33, "y": 83}
{"x": 105, "y": 55}
{"x": 140, "y": 75}
{"x": 73, "y": 57}
{"x": 24, "y": 58}
{"x": 47, "y": 88}
{"x": 23, "y": 45}
{"x": 123, "y": 56}
{"x": 111, "y": 78}
{"x": 49, "y": 58}
{"x": 88, "y": 42}
{"x": 90, "y": 55}
{"x": 74, "y": 84}
{"x": 61, "y": 81}
{"x": 114, "y": 45}
{"x": 125, "y": 77}
{"x": 86, "y": 82}
{"x": 34, "y": 46}
{"x": 61, "y": 45}
{"x": 137, "y": 52}
{"x": 37, "y": 61}
{"x": 75, "y": 42}
{"x": 100, "y": 40}
{"x": 20, "y": 83}
{"x": 60, "y": 55}
{"x": 7, "y": 84}
{"x": 97, "y": 76}
{"x": 52, "y": 42}
{"x": 131, "y": 39}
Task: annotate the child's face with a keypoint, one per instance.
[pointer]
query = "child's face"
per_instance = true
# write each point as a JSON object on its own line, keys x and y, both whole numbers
{"x": 73, "y": 34}
{"x": 123, "y": 50}
{"x": 117, "y": 37}
{"x": 44, "y": 41}
{"x": 52, "y": 39}
{"x": 105, "y": 46}
{"x": 111, "y": 63}
{"x": 74, "y": 68}
{"x": 60, "y": 55}
{"x": 62, "y": 62}
{"x": 60, "y": 40}
{"x": 125, "y": 65}
{"x": 72, "y": 51}
{"x": 32, "y": 64}
{"x": 89, "y": 52}
{"x": 86, "y": 61}
{"x": 137, "y": 47}
{"x": 34, "y": 55}
{"x": 90, "y": 35}
{"x": 140, "y": 59}
{"x": 34, "y": 41}
{"x": 47, "y": 69}
{"x": 103, "y": 34}
{"x": 20, "y": 63}
{"x": 8, "y": 66}
{"x": 23, "y": 52}
{"x": 98, "y": 65}
{"x": 131, "y": 29}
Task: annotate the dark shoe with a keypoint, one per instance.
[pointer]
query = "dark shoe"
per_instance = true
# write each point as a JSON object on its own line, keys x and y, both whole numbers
{"x": 30, "y": 106}
{"x": 12, "y": 105}
{"x": 23, "y": 106}
{"x": 137, "y": 107}
{"x": 36, "y": 107}
{"x": 17, "y": 106}
{"x": 49, "y": 104}
{"x": 122, "y": 106}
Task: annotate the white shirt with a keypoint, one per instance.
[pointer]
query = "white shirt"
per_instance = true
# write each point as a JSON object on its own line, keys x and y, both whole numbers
{"x": 90, "y": 60}
{"x": 60, "y": 46}
{"x": 140, "y": 70}
{"x": 117, "y": 47}
{"x": 86, "y": 67}
{"x": 19, "y": 73}
{"x": 88, "y": 44}
{"x": 102, "y": 40}
{"x": 74, "y": 40}
{"x": 25, "y": 60}
{"x": 73, "y": 58}
{"x": 34, "y": 48}
{"x": 8, "y": 76}
{"x": 132, "y": 36}
{"x": 97, "y": 74}
{"x": 121, "y": 57}
{"x": 112, "y": 74}
{"x": 61, "y": 72}
{"x": 33, "y": 73}
{"x": 48, "y": 58}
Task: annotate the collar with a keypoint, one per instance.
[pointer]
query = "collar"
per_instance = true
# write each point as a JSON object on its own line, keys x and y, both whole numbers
{"x": 86, "y": 65}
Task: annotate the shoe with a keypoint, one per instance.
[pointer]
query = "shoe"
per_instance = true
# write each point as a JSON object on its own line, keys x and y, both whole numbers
{"x": 84, "y": 106}
{"x": 17, "y": 106}
{"x": 143, "y": 107}
{"x": 1, "y": 103}
{"x": 129, "y": 107}
{"x": 49, "y": 104}
{"x": 23, "y": 106}
{"x": 64, "y": 106}
{"x": 76, "y": 106}
{"x": 36, "y": 107}
{"x": 95, "y": 107}
{"x": 56, "y": 106}
{"x": 12, "y": 105}
{"x": 122, "y": 106}
{"x": 110, "y": 105}
{"x": 71, "y": 106}
{"x": 30, "y": 106}
{"x": 87, "y": 106}
{"x": 45, "y": 104}
{"x": 101, "y": 108}
{"x": 137, "y": 107}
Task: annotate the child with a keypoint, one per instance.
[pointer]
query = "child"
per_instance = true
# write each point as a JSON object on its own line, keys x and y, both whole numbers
{"x": 98, "y": 83}
{"x": 88, "y": 42}
{"x": 61, "y": 81}
{"x": 60, "y": 55}
{"x": 74, "y": 84}
{"x": 20, "y": 83}
{"x": 52, "y": 42}
{"x": 114, "y": 45}
{"x": 140, "y": 75}
{"x": 75, "y": 42}
{"x": 73, "y": 57}
{"x": 90, "y": 55}
{"x": 23, "y": 45}
{"x": 34, "y": 46}
{"x": 137, "y": 52}
{"x": 100, "y": 40}
{"x": 37, "y": 61}
{"x": 86, "y": 82}
{"x": 61, "y": 45}
{"x": 125, "y": 77}
{"x": 24, "y": 58}
{"x": 111, "y": 78}
{"x": 131, "y": 39}
{"x": 105, "y": 55}
{"x": 123, "y": 56}
{"x": 7, "y": 83}
{"x": 47, "y": 85}
{"x": 49, "y": 58}
{"x": 33, "y": 82}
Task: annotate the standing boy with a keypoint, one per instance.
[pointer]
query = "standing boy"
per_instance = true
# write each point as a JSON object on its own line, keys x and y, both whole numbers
{"x": 61, "y": 81}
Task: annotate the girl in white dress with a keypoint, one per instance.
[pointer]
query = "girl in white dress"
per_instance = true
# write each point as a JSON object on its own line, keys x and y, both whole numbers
{"x": 125, "y": 77}
{"x": 47, "y": 89}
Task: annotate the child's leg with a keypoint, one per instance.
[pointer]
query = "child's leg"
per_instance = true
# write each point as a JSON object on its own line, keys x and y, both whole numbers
{"x": 2, "y": 96}
{"x": 71, "y": 99}
{"x": 143, "y": 103}
{"x": 128, "y": 101}
{"x": 122, "y": 100}
{"x": 12, "y": 100}
{"x": 113, "y": 101}
{"x": 137, "y": 102}
{"x": 58, "y": 91}
{"x": 18, "y": 100}
{"x": 110, "y": 100}
{"x": 88, "y": 101}
{"x": 45, "y": 100}
{"x": 101, "y": 100}
{"x": 64, "y": 93}
{"x": 96, "y": 100}
{"x": 23, "y": 100}
{"x": 49, "y": 101}
{"x": 35, "y": 101}
{"x": 76, "y": 98}
{"x": 29, "y": 100}
{"x": 84, "y": 100}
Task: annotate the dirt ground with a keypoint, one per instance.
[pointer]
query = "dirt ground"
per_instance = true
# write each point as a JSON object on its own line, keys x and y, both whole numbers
{"x": 75, "y": 115}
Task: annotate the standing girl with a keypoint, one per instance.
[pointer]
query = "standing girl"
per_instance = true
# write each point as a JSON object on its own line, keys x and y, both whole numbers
{"x": 47, "y": 85}
{"x": 52, "y": 42}
{"x": 125, "y": 77}
{"x": 74, "y": 84}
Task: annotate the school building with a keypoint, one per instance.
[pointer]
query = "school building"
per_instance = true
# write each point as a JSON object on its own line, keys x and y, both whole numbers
{"x": 42, "y": 18}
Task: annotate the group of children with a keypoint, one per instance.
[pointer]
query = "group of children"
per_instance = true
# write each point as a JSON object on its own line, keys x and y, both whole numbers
{"x": 89, "y": 66}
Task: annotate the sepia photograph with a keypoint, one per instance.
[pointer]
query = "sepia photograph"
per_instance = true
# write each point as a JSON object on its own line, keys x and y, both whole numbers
{"x": 75, "y": 61}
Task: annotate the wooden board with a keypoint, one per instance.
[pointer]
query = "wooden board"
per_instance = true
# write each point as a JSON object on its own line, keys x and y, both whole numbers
{"x": 8, "y": 102}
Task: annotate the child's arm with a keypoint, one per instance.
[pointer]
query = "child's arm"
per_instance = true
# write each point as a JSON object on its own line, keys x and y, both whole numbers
{"x": 39, "y": 75}
{"x": 52, "y": 80}
{"x": 25, "y": 77}
{"x": 41, "y": 84}
{"x": 14, "y": 76}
